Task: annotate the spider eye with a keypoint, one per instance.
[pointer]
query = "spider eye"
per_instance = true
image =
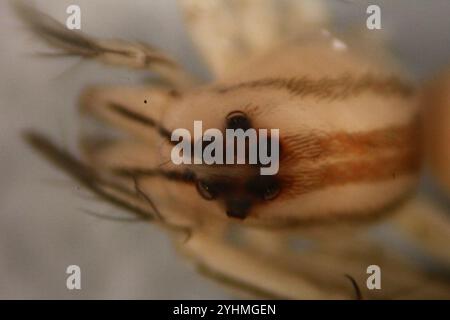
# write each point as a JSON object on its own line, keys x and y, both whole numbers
{"x": 265, "y": 188}
{"x": 238, "y": 120}
{"x": 207, "y": 191}
{"x": 271, "y": 191}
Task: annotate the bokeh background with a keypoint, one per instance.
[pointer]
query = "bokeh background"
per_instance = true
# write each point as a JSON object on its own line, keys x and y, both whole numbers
{"x": 42, "y": 226}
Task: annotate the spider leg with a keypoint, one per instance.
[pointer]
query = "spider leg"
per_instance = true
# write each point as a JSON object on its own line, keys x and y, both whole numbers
{"x": 299, "y": 18}
{"x": 214, "y": 31}
{"x": 89, "y": 178}
{"x": 227, "y": 33}
{"x": 249, "y": 272}
{"x": 401, "y": 277}
{"x": 112, "y": 52}
{"x": 119, "y": 154}
{"x": 114, "y": 191}
{"x": 428, "y": 226}
{"x": 136, "y": 110}
{"x": 323, "y": 267}
{"x": 436, "y": 111}
{"x": 426, "y": 223}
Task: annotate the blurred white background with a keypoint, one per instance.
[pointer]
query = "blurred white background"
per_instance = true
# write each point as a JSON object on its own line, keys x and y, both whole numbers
{"x": 42, "y": 227}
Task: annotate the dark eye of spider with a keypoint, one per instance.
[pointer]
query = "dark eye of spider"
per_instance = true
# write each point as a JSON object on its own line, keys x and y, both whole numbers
{"x": 266, "y": 188}
{"x": 207, "y": 191}
{"x": 238, "y": 120}
{"x": 271, "y": 191}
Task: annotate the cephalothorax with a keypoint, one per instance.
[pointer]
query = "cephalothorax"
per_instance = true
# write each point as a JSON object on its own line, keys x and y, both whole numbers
{"x": 350, "y": 134}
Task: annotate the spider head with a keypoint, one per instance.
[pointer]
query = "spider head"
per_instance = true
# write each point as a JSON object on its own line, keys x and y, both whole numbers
{"x": 226, "y": 167}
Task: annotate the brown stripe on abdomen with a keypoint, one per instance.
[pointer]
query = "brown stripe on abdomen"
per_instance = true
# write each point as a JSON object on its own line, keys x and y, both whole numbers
{"x": 341, "y": 87}
{"x": 353, "y": 171}
{"x": 317, "y": 161}
{"x": 381, "y": 169}
{"x": 316, "y": 145}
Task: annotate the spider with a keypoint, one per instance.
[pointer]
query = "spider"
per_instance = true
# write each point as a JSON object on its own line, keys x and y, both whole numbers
{"x": 354, "y": 135}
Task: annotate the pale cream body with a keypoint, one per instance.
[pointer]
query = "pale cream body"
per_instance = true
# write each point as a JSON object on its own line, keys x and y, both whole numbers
{"x": 272, "y": 107}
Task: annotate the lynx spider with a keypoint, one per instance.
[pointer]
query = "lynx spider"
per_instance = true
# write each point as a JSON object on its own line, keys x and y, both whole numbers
{"x": 351, "y": 128}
